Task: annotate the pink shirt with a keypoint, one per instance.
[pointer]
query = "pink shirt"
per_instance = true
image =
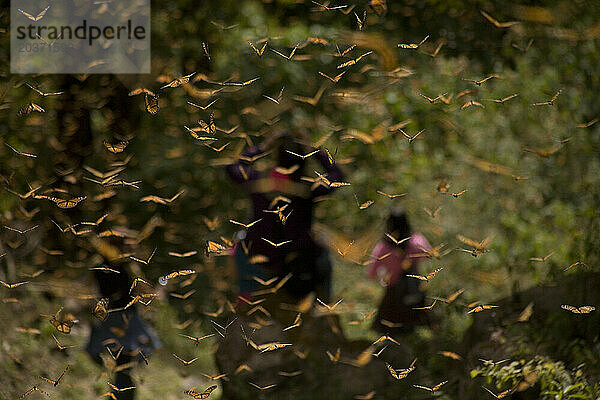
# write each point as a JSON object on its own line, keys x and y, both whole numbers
{"x": 391, "y": 268}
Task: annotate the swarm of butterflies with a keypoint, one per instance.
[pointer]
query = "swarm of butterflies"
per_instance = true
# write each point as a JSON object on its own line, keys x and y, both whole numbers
{"x": 206, "y": 134}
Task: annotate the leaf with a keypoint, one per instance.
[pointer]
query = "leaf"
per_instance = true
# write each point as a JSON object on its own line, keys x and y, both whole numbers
{"x": 475, "y": 373}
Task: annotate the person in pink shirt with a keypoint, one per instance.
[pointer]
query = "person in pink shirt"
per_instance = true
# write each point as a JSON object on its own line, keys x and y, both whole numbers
{"x": 397, "y": 254}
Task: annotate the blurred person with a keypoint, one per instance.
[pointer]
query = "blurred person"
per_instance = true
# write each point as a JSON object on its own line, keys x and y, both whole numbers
{"x": 396, "y": 314}
{"x": 282, "y": 188}
{"x": 122, "y": 326}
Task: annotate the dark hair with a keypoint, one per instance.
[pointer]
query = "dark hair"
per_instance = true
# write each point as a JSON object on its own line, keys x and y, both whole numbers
{"x": 398, "y": 226}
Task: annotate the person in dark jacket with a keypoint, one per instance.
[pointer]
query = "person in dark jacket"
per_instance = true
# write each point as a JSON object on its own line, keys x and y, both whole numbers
{"x": 281, "y": 242}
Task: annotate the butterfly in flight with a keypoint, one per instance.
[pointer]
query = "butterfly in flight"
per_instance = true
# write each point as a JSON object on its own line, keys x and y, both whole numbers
{"x": 64, "y": 324}
{"x": 145, "y": 91}
{"x": 288, "y": 57}
{"x": 361, "y": 23}
{"x": 209, "y": 127}
{"x": 297, "y": 322}
{"x": 184, "y": 361}
{"x": 59, "y": 345}
{"x": 42, "y": 93}
{"x": 151, "y": 104}
{"x": 29, "y": 108}
{"x": 483, "y": 80}
{"x": 402, "y": 372}
{"x": 587, "y": 124}
{"x": 458, "y": 194}
{"x": 197, "y": 339}
{"x": 578, "y": 310}
{"x": 325, "y": 6}
{"x": 276, "y": 244}
{"x": 413, "y": 45}
{"x": 549, "y": 102}
{"x": 343, "y": 53}
{"x": 354, "y": 61}
{"x": 431, "y": 213}
{"x": 450, "y": 299}
{"x": 20, "y": 232}
{"x": 257, "y": 51}
{"x": 205, "y": 107}
{"x": 13, "y": 285}
{"x": 480, "y": 247}
{"x": 334, "y": 358}
{"x": 437, "y": 50}
{"x": 313, "y": 101}
{"x": 545, "y": 153}
{"x": 145, "y": 262}
{"x": 409, "y": 137}
{"x": 500, "y": 395}
{"x": 481, "y": 307}
{"x": 182, "y": 80}
{"x": 496, "y": 23}
{"x": 202, "y": 395}
{"x": 429, "y": 307}
{"x": 450, "y": 354}
{"x": 504, "y": 99}
{"x": 115, "y": 148}
{"x": 427, "y": 277}
{"x": 161, "y": 200}
{"x": 433, "y": 388}
{"x": 57, "y": 381}
{"x": 471, "y": 103}
{"x": 327, "y": 306}
{"x": 183, "y": 255}
{"x": 36, "y": 17}
{"x": 262, "y": 387}
{"x": 541, "y": 259}
{"x": 335, "y": 79}
{"x": 277, "y": 99}
{"x": 432, "y": 100}
{"x": 34, "y": 389}
{"x": 100, "y": 310}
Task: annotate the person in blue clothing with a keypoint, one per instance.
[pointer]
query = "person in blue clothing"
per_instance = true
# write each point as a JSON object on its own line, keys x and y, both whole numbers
{"x": 122, "y": 327}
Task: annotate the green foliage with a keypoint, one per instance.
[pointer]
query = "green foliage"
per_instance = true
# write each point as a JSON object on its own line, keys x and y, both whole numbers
{"x": 553, "y": 380}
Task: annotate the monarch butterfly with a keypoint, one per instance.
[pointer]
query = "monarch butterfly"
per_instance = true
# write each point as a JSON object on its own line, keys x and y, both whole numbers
{"x": 194, "y": 133}
{"x": 117, "y": 147}
{"x": 481, "y": 307}
{"x": 182, "y": 272}
{"x": 412, "y": 45}
{"x": 63, "y": 325}
{"x": 101, "y": 309}
{"x": 36, "y": 18}
{"x": 210, "y": 127}
{"x": 433, "y": 388}
{"x": 70, "y": 203}
{"x": 110, "y": 232}
{"x": 29, "y": 108}
{"x": 214, "y": 247}
{"x": 578, "y": 310}
{"x": 179, "y": 81}
{"x": 203, "y": 395}
{"x": 257, "y": 51}
{"x": 137, "y": 91}
{"x": 151, "y": 103}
